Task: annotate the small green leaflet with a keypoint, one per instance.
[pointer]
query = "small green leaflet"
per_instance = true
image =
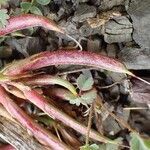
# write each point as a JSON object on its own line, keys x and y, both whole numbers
{"x": 76, "y": 101}
{"x": 28, "y": 7}
{"x": 35, "y": 10}
{"x": 109, "y": 146}
{"x": 43, "y": 2}
{"x": 25, "y": 6}
{"x": 3, "y": 18}
{"x": 85, "y": 81}
{"x": 106, "y": 146}
{"x": 2, "y": 39}
{"x": 137, "y": 143}
{"x": 46, "y": 120}
{"x": 86, "y": 98}
{"x": 90, "y": 147}
{"x": 3, "y": 2}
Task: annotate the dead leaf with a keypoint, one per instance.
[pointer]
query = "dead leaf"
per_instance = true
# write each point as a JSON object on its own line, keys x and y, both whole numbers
{"x": 140, "y": 92}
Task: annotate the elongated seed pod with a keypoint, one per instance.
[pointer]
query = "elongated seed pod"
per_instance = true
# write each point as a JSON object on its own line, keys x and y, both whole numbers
{"x": 7, "y": 147}
{"x": 29, "y": 20}
{"x": 40, "y": 133}
{"x": 50, "y": 80}
{"x": 62, "y": 57}
{"x": 42, "y": 103}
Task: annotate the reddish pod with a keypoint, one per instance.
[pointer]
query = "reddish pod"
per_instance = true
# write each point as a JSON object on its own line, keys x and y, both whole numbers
{"x": 40, "y": 133}
{"x": 63, "y": 57}
{"x": 25, "y": 21}
{"x": 29, "y": 20}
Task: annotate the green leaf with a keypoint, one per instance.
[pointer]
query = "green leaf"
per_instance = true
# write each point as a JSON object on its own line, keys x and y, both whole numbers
{"x": 46, "y": 120}
{"x": 85, "y": 99}
{"x": 76, "y": 101}
{"x": 43, "y": 2}
{"x": 3, "y": 18}
{"x": 137, "y": 143}
{"x": 89, "y": 97}
{"x": 110, "y": 146}
{"x": 94, "y": 147}
{"x": 90, "y": 147}
{"x": 35, "y": 10}
{"x": 106, "y": 146}
{"x": 85, "y": 81}
{"x": 25, "y": 6}
{"x": 3, "y": 2}
{"x": 2, "y": 39}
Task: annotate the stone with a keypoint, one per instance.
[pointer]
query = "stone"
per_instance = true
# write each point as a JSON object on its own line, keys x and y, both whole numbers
{"x": 118, "y": 30}
{"x": 86, "y": 30}
{"x": 94, "y": 45}
{"x": 14, "y": 3}
{"x": 139, "y": 12}
{"x": 79, "y": 1}
{"x": 111, "y": 126}
{"x": 84, "y": 12}
{"x": 53, "y": 16}
{"x": 5, "y": 52}
{"x": 61, "y": 12}
{"x": 108, "y": 4}
{"x": 135, "y": 58}
{"x": 59, "y": 2}
{"x": 26, "y": 46}
{"x": 70, "y": 28}
{"x": 116, "y": 77}
{"x": 96, "y": 2}
{"x": 114, "y": 92}
{"x": 112, "y": 50}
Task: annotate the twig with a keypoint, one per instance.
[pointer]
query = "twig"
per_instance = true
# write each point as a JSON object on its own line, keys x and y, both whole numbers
{"x": 109, "y": 86}
{"x": 89, "y": 124}
{"x": 135, "y": 108}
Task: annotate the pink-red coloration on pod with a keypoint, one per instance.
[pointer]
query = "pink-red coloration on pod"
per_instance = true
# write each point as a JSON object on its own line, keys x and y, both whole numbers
{"x": 29, "y": 20}
{"x": 64, "y": 58}
{"x": 41, "y": 134}
{"x": 7, "y": 147}
{"x": 43, "y": 103}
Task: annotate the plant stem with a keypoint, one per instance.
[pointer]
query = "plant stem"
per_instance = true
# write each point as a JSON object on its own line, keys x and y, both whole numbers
{"x": 89, "y": 124}
{"x": 41, "y": 134}
{"x": 7, "y": 147}
{"x": 56, "y": 113}
{"x": 50, "y": 80}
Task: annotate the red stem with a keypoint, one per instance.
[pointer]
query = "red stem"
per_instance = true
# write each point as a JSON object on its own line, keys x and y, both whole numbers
{"x": 41, "y": 134}
{"x": 52, "y": 111}
{"x": 29, "y": 20}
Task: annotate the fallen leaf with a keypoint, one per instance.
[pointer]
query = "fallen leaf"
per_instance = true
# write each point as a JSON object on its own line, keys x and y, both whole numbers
{"x": 140, "y": 92}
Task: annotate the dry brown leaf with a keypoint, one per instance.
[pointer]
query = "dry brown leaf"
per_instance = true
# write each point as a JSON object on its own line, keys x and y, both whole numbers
{"x": 102, "y": 18}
